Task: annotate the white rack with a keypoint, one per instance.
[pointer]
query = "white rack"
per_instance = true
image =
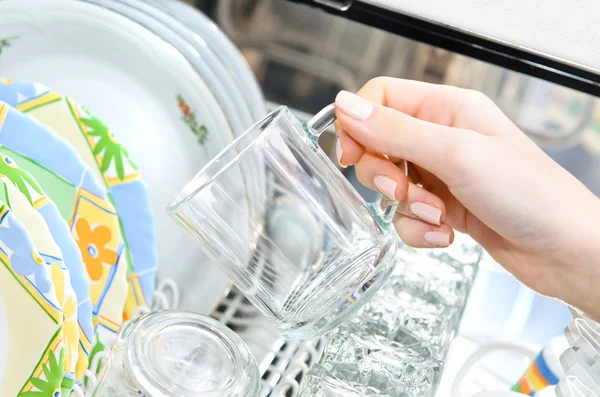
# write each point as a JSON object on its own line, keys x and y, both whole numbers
{"x": 282, "y": 364}
{"x": 581, "y": 360}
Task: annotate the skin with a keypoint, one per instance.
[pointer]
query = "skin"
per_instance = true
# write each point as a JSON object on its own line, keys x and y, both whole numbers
{"x": 485, "y": 177}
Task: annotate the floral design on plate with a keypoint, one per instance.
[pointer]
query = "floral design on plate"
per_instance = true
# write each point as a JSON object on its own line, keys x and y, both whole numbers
{"x": 21, "y": 178}
{"x": 54, "y": 372}
{"x": 77, "y": 329}
{"x": 69, "y": 308}
{"x": 75, "y": 190}
{"x": 106, "y": 146}
{"x": 29, "y": 264}
{"x": 93, "y": 246}
{"x": 6, "y": 42}
{"x": 34, "y": 319}
{"x": 47, "y": 251}
{"x": 189, "y": 117}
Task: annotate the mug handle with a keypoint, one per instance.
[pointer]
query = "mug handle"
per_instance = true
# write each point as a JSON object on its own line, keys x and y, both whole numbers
{"x": 384, "y": 208}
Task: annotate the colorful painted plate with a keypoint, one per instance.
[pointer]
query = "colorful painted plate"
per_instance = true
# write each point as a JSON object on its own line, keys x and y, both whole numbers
{"x": 149, "y": 94}
{"x": 32, "y": 351}
{"x": 49, "y": 251}
{"x": 103, "y": 153}
{"x": 224, "y": 49}
{"x": 35, "y": 198}
{"x": 82, "y": 202}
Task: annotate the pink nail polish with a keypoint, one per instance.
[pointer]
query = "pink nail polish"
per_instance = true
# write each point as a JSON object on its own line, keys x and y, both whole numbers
{"x": 386, "y": 186}
{"x": 437, "y": 238}
{"x": 353, "y": 105}
{"x": 339, "y": 151}
{"x": 427, "y": 213}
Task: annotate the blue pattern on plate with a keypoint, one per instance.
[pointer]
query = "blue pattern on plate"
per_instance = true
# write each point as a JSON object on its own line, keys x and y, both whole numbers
{"x": 131, "y": 200}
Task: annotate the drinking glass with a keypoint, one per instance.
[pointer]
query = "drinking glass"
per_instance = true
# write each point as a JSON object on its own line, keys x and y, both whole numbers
{"x": 286, "y": 226}
{"x": 396, "y": 344}
{"x": 170, "y": 353}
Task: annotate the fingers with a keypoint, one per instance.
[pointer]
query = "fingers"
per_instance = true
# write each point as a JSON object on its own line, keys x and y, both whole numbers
{"x": 419, "y": 234}
{"x": 423, "y": 205}
{"x": 419, "y": 222}
{"x": 380, "y": 174}
{"x": 390, "y": 132}
{"x": 415, "y": 202}
{"x": 347, "y": 149}
{"x": 440, "y": 104}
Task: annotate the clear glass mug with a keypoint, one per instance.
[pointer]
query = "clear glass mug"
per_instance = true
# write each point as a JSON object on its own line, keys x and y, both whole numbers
{"x": 171, "y": 353}
{"x": 287, "y": 227}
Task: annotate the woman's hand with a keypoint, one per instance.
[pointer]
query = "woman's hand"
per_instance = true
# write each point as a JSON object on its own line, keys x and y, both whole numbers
{"x": 474, "y": 171}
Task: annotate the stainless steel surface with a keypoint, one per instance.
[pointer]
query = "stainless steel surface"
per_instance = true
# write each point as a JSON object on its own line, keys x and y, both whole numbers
{"x": 304, "y": 56}
{"x": 341, "y": 5}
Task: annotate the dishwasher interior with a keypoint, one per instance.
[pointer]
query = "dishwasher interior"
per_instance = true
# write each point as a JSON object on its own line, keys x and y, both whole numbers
{"x": 302, "y": 57}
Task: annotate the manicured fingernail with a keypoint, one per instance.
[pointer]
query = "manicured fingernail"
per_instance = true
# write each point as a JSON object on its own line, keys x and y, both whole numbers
{"x": 353, "y": 105}
{"x": 427, "y": 213}
{"x": 437, "y": 238}
{"x": 386, "y": 186}
{"x": 339, "y": 151}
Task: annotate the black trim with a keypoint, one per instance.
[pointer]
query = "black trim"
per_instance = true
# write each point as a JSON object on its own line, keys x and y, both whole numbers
{"x": 464, "y": 43}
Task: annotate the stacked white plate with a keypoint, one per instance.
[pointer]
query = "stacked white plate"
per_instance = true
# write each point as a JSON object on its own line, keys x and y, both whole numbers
{"x": 107, "y": 109}
{"x": 167, "y": 81}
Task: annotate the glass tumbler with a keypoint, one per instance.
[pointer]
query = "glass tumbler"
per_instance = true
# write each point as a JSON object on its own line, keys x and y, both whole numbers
{"x": 287, "y": 227}
{"x": 170, "y": 353}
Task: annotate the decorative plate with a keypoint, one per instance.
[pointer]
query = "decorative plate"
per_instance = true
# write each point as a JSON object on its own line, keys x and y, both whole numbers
{"x": 49, "y": 251}
{"x": 103, "y": 153}
{"x": 32, "y": 352}
{"x": 145, "y": 90}
{"x": 196, "y": 51}
{"x": 224, "y": 49}
{"x": 36, "y": 199}
{"x": 82, "y": 203}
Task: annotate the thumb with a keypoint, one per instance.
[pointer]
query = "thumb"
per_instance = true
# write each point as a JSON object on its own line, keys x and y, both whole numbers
{"x": 436, "y": 148}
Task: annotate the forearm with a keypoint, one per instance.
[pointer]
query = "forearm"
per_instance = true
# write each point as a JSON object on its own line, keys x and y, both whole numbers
{"x": 578, "y": 282}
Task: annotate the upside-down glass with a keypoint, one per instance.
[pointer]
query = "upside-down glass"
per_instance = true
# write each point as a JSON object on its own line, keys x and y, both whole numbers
{"x": 170, "y": 353}
{"x": 286, "y": 226}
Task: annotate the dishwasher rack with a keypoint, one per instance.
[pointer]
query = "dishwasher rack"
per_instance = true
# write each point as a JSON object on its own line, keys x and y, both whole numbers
{"x": 285, "y": 363}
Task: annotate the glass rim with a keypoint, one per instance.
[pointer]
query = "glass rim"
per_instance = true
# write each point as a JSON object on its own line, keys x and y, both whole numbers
{"x": 260, "y": 128}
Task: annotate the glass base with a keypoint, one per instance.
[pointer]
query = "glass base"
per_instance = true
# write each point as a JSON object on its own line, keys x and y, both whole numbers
{"x": 354, "y": 301}
{"x": 168, "y": 353}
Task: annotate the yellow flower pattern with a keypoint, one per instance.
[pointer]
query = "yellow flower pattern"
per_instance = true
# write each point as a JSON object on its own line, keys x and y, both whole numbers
{"x": 69, "y": 308}
{"x": 44, "y": 257}
{"x": 92, "y": 244}
{"x": 37, "y": 258}
{"x": 95, "y": 229}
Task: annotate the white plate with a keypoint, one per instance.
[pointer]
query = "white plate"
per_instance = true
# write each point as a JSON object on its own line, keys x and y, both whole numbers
{"x": 132, "y": 79}
{"x": 227, "y": 52}
{"x": 195, "y": 50}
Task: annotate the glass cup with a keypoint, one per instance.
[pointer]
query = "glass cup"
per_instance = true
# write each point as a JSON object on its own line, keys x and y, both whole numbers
{"x": 287, "y": 227}
{"x": 170, "y": 353}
